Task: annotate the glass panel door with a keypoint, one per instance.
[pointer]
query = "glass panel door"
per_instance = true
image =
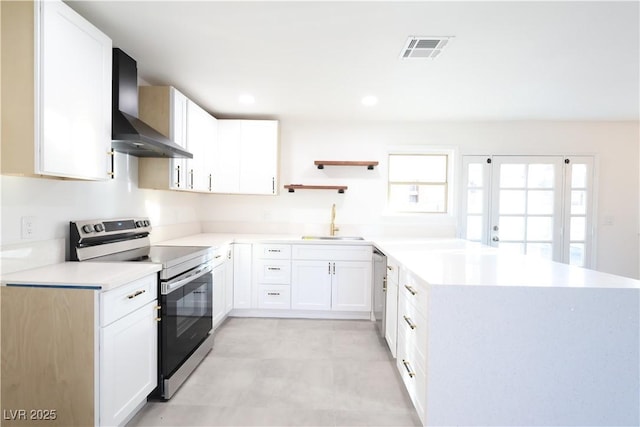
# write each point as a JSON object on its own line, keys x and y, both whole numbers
{"x": 526, "y": 205}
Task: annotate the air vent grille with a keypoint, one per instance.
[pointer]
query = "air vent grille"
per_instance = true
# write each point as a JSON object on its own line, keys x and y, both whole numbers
{"x": 424, "y": 47}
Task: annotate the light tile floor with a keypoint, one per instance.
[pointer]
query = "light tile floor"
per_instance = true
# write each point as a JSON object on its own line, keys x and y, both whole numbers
{"x": 290, "y": 372}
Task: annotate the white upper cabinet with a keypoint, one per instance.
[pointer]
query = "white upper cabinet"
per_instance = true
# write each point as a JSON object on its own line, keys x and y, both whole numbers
{"x": 202, "y": 133}
{"x": 56, "y": 87}
{"x": 246, "y": 157}
{"x": 187, "y": 124}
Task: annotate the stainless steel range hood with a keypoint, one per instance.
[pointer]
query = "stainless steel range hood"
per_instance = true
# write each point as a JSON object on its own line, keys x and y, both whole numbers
{"x": 128, "y": 133}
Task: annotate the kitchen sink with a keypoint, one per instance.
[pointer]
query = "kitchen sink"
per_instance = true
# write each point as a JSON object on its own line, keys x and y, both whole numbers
{"x": 332, "y": 238}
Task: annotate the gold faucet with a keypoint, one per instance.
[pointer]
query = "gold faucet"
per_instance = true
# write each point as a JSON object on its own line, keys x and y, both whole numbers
{"x": 332, "y": 226}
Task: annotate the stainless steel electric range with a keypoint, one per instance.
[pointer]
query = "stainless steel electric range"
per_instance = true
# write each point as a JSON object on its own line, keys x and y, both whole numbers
{"x": 185, "y": 288}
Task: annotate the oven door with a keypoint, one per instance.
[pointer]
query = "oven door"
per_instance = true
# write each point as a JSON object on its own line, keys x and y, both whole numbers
{"x": 187, "y": 318}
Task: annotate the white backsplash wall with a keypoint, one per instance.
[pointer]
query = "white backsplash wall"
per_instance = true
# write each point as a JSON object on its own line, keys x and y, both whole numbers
{"x": 361, "y": 210}
{"x": 51, "y": 204}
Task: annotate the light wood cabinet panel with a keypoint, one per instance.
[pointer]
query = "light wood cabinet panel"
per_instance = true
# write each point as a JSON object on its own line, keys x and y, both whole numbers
{"x": 56, "y": 93}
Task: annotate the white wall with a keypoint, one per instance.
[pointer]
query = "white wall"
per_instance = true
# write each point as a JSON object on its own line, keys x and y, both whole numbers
{"x": 53, "y": 203}
{"x": 361, "y": 210}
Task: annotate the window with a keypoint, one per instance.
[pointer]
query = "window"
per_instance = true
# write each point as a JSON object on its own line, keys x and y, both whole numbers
{"x": 419, "y": 182}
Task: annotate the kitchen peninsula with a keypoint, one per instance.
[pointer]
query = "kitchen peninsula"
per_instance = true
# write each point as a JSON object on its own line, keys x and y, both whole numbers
{"x": 506, "y": 339}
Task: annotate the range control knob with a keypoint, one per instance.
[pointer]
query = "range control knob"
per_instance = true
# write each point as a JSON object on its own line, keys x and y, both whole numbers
{"x": 147, "y": 223}
{"x": 87, "y": 228}
{"x": 139, "y": 223}
{"x": 98, "y": 227}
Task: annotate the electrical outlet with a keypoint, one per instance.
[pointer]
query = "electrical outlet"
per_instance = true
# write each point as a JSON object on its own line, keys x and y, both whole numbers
{"x": 28, "y": 227}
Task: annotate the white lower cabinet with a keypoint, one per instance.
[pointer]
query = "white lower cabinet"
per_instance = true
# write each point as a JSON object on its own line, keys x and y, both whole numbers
{"x": 339, "y": 284}
{"x": 242, "y": 275}
{"x": 272, "y": 275}
{"x": 222, "y": 285}
{"x": 128, "y": 364}
{"x": 83, "y": 356}
{"x": 391, "y": 319}
{"x": 128, "y": 349}
{"x": 311, "y": 285}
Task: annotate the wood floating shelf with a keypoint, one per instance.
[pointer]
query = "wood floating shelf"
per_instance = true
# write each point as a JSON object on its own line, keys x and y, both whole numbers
{"x": 293, "y": 187}
{"x": 322, "y": 163}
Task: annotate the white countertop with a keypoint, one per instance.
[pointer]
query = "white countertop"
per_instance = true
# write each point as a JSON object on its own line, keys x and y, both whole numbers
{"x": 446, "y": 261}
{"x": 460, "y": 262}
{"x": 94, "y": 275}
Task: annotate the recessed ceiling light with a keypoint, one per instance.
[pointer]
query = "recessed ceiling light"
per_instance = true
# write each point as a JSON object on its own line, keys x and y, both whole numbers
{"x": 369, "y": 100}
{"x": 246, "y": 99}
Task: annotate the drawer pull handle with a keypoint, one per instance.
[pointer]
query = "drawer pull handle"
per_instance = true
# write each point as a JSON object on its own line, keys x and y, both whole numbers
{"x": 408, "y": 368}
{"x": 136, "y": 294}
{"x": 389, "y": 268}
{"x": 158, "y": 319}
{"x": 273, "y": 293}
{"x": 410, "y": 289}
{"x": 274, "y": 250}
{"x": 218, "y": 256}
{"x": 273, "y": 268}
{"x": 409, "y": 322}
{"x": 157, "y": 307}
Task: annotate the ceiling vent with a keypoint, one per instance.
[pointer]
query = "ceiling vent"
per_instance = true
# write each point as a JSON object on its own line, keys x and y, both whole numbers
{"x": 424, "y": 47}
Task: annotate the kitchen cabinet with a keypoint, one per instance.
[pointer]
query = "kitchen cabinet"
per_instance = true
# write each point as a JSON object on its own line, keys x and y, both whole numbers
{"x": 272, "y": 275}
{"x": 242, "y": 276}
{"x": 412, "y": 337}
{"x": 222, "y": 285}
{"x": 164, "y": 108}
{"x": 89, "y": 356}
{"x": 56, "y": 93}
{"x": 188, "y": 125}
{"x": 246, "y": 157}
{"x": 202, "y": 133}
{"x": 331, "y": 277}
{"x": 391, "y": 319}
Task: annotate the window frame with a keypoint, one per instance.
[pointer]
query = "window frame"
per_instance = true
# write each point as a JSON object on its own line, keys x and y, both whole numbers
{"x": 449, "y": 184}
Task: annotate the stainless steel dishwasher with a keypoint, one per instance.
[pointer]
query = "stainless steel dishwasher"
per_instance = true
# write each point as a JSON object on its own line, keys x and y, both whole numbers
{"x": 379, "y": 290}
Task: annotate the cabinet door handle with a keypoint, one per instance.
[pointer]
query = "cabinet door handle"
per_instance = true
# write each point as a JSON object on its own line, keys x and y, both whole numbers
{"x": 384, "y": 284}
{"x": 273, "y": 185}
{"x": 409, "y": 322}
{"x": 112, "y": 173}
{"x": 329, "y": 268}
{"x": 410, "y": 289}
{"x": 273, "y": 268}
{"x": 389, "y": 268}
{"x": 209, "y": 182}
{"x": 135, "y": 294}
{"x": 191, "y": 173}
{"x": 178, "y": 176}
{"x": 408, "y": 368}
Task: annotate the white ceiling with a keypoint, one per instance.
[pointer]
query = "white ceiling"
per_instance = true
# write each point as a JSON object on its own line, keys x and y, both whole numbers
{"x": 316, "y": 60}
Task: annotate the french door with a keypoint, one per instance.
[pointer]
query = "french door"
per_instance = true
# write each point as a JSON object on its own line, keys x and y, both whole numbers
{"x": 536, "y": 205}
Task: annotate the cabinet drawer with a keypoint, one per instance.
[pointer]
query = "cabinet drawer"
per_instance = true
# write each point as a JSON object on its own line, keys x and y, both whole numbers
{"x": 272, "y": 251}
{"x": 125, "y": 299}
{"x": 333, "y": 252}
{"x": 413, "y": 376}
{"x": 414, "y": 331}
{"x": 274, "y": 296}
{"x": 220, "y": 255}
{"x": 414, "y": 289}
{"x": 393, "y": 270}
{"x": 273, "y": 272}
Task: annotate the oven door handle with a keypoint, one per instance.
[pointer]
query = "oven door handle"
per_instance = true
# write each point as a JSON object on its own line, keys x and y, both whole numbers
{"x": 173, "y": 285}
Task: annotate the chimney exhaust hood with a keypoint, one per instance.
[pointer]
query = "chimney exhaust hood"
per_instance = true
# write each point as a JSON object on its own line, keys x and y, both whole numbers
{"x": 128, "y": 133}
